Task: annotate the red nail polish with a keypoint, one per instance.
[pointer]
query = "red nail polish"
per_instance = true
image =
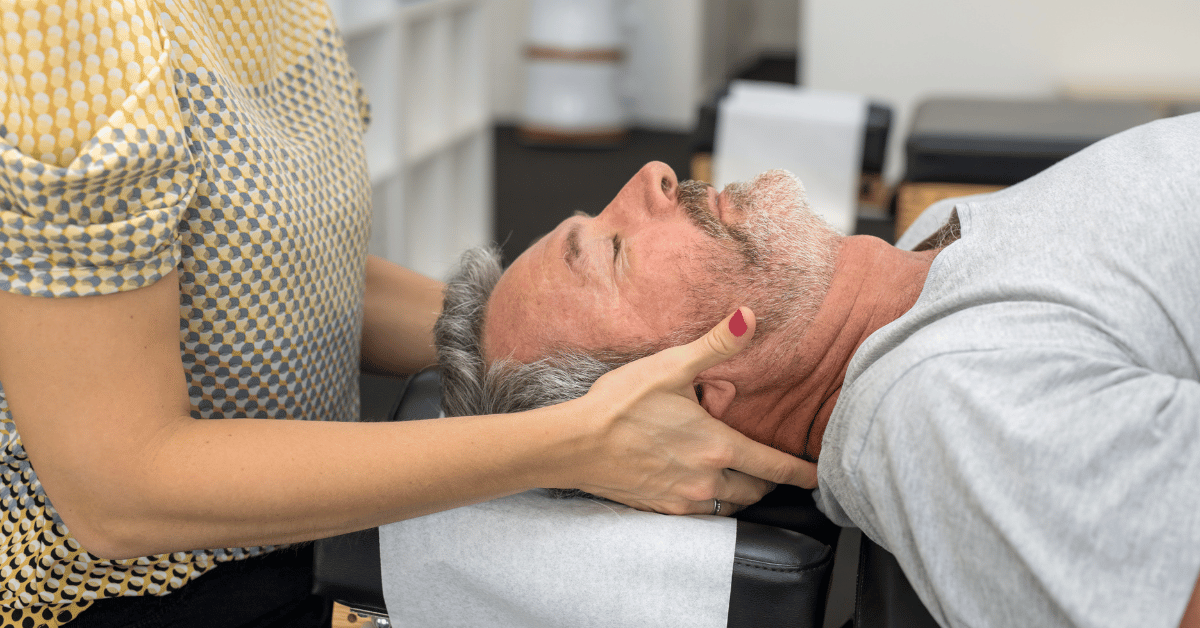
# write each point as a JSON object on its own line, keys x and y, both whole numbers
{"x": 737, "y": 324}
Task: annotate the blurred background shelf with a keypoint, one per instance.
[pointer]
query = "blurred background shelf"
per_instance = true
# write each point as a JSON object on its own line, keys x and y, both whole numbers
{"x": 424, "y": 67}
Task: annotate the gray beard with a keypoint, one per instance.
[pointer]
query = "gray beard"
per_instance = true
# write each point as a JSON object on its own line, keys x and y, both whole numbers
{"x": 785, "y": 255}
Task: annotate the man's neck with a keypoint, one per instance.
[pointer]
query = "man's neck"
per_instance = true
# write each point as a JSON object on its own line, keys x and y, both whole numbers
{"x": 873, "y": 284}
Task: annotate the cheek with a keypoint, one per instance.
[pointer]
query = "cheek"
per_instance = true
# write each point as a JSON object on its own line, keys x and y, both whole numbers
{"x": 713, "y": 276}
{"x": 639, "y": 316}
{"x": 668, "y": 285}
{"x": 678, "y": 257}
{"x": 681, "y": 297}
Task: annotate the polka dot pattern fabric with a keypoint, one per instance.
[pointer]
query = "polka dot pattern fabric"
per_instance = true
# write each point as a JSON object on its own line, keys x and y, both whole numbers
{"x": 139, "y": 137}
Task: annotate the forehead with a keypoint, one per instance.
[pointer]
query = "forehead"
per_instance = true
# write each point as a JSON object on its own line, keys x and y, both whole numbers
{"x": 535, "y": 303}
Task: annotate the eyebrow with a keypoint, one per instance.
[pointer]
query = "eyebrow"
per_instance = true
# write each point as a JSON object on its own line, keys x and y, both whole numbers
{"x": 571, "y": 246}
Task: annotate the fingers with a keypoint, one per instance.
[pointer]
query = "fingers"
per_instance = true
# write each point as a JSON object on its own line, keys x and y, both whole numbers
{"x": 734, "y": 492}
{"x": 758, "y": 460}
{"x": 720, "y": 343}
{"x": 738, "y": 488}
{"x": 705, "y": 507}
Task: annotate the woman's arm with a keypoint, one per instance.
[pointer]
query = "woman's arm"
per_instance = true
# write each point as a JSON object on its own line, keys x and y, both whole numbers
{"x": 400, "y": 308}
{"x": 96, "y": 388}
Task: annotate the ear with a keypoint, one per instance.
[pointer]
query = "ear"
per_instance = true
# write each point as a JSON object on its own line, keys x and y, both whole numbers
{"x": 715, "y": 395}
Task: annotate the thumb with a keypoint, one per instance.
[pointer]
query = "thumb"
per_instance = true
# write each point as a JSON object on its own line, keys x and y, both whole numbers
{"x": 722, "y": 342}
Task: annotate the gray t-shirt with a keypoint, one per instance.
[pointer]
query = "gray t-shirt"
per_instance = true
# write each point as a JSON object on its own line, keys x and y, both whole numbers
{"x": 1026, "y": 439}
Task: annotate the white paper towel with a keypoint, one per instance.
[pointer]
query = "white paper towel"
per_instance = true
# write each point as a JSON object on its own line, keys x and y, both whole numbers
{"x": 817, "y": 135}
{"x": 530, "y": 560}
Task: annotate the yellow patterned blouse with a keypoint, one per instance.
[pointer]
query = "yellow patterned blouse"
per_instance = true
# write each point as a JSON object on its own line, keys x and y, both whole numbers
{"x": 219, "y": 138}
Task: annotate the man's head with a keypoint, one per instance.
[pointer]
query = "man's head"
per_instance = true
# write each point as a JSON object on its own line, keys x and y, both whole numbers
{"x": 662, "y": 264}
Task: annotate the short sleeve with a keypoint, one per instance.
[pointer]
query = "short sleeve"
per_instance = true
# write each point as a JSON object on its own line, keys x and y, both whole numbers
{"x": 95, "y": 170}
{"x": 364, "y": 104}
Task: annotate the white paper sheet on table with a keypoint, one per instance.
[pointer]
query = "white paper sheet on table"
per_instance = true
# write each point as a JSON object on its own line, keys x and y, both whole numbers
{"x": 816, "y": 134}
{"x": 530, "y": 560}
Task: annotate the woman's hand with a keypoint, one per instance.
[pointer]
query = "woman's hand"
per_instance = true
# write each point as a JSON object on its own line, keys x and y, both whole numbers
{"x": 660, "y": 451}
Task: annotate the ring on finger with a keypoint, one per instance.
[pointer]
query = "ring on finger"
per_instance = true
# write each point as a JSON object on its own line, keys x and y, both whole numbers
{"x": 716, "y": 506}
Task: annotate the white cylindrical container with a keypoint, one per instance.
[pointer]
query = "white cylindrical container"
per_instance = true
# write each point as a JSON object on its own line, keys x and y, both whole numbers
{"x": 574, "y": 66}
{"x": 576, "y": 24}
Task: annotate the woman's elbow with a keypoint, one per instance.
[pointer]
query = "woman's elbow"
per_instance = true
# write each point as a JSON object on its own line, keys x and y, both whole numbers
{"x": 105, "y": 511}
{"x": 104, "y": 534}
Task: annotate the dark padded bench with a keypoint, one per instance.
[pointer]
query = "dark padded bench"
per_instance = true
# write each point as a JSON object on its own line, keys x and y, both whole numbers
{"x": 782, "y": 561}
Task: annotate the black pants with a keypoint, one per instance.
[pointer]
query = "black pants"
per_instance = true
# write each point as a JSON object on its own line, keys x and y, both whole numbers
{"x": 271, "y": 591}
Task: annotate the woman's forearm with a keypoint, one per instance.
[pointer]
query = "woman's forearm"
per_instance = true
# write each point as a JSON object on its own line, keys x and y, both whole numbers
{"x": 399, "y": 310}
{"x": 246, "y": 482}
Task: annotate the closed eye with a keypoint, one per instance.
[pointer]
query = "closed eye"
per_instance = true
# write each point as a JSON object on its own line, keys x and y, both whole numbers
{"x": 616, "y": 240}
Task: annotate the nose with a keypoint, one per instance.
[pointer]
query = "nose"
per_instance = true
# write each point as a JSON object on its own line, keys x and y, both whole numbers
{"x": 650, "y": 192}
{"x": 659, "y": 184}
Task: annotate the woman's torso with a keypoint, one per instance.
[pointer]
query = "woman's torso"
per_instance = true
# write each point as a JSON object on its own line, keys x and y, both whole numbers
{"x": 217, "y": 139}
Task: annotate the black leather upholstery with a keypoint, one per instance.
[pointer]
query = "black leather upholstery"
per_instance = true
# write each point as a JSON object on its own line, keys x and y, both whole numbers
{"x": 780, "y": 576}
{"x": 1003, "y": 141}
{"x": 346, "y": 569}
{"x": 420, "y": 397}
{"x": 792, "y": 508}
{"x": 884, "y": 598}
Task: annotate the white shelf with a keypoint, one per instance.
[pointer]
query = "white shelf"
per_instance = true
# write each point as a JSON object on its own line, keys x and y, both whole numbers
{"x": 383, "y": 168}
{"x": 468, "y": 91}
{"x": 358, "y": 17}
{"x": 423, "y": 65}
{"x": 444, "y": 141}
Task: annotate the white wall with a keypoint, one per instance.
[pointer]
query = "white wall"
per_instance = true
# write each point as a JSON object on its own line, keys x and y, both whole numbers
{"x": 663, "y": 63}
{"x": 903, "y": 51}
{"x": 507, "y": 39}
{"x": 736, "y": 32}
